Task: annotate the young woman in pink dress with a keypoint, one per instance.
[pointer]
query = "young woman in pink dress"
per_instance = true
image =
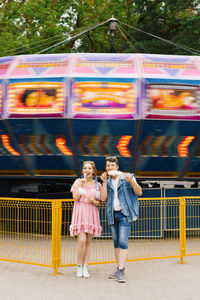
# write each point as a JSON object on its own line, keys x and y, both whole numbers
{"x": 85, "y": 217}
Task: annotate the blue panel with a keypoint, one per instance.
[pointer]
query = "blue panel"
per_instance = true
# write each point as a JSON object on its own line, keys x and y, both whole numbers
{"x": 192, "y": 210}
{"x": 194, "y": 167}
{"x": 192, "y": 215}
{"x": 144, "y": 227}
{"x": 161, "y": 143}
{"x": 172, "y": 81}
{"x": 38, "y": 140}
{"x": 96, "y": 139}
{"x": 181, "y": 192}
{"x": 151, "y": 193}
{"x": 171, "y": 216}
{"x": 10, "y": 164}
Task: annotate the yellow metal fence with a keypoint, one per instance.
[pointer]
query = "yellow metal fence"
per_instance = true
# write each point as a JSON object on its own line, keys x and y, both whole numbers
{"x": 36, "y": 231}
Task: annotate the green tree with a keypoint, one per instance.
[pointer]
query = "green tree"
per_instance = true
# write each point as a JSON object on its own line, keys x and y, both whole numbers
{"x": 29, "y": 26}
{"x": 174, "y": 20}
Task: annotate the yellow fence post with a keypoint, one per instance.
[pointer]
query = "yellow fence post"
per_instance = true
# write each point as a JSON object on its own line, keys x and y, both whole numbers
{"x": 56, "y": 235}
{"x": 182, "y": 228}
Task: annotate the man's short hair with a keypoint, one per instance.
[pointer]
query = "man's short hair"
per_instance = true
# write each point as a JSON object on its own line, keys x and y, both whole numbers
{"x": 112, "y": 159}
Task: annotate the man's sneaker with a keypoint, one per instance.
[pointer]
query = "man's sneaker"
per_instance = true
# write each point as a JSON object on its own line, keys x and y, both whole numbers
{"x": 79, "y": 271}
{"x": 114, "y": 275}
{"x": 85, "y": 271}
{"x": 120, "y": 276}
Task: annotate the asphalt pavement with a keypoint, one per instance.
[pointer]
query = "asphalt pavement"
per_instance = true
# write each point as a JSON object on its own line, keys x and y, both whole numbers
{"x": 146, "y": 280}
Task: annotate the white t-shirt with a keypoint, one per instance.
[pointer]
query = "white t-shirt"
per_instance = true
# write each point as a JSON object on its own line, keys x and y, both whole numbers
{"x": 116, "y": 204}
{"x": 116, "y": 200}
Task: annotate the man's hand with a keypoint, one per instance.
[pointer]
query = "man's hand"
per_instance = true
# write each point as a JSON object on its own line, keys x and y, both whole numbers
{"x": 137, "y": 189}
{"x": 129, "y": 177}
{"x": 104, "y": 177}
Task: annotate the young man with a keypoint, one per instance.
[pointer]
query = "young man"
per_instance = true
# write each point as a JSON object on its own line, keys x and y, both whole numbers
{"x": 121, "y": 191}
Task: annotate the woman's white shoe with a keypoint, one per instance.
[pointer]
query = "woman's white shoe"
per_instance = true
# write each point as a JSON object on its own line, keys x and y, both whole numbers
{"x": 85, "y": 271}
{"x": 79, "y": 271}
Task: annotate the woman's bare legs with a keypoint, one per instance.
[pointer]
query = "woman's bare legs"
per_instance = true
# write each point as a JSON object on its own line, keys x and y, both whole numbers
{"x": 84, "y": 244}
{"x": 81, "y": 246}
{"x": 83, "y": 253}
{"x": 87, "y": 248}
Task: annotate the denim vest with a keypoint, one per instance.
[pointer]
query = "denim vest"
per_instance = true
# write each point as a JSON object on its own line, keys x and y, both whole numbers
{"x": 127, "y": 198}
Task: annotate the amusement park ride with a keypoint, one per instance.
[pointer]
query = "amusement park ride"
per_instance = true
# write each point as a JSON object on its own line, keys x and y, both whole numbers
{"x": 58, "y": 110}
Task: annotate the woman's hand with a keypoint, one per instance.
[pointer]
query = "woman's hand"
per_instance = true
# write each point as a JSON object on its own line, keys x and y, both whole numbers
{"x": 83, "y": 180}
{"x": 76, "y": 194}
{"x": 93, "y": 201}
{"x": 103, "y": 192}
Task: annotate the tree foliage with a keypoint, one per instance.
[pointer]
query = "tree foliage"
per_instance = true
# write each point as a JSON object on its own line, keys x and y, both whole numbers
{"x": 29, "y": 26}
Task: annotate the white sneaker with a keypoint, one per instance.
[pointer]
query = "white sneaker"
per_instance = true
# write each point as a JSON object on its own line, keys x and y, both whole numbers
{"x": 79, "y": 271}
{"x": 85, "y": 271}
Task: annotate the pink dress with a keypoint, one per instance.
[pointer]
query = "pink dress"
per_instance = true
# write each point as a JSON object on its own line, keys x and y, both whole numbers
{"x": 85, "y": 216}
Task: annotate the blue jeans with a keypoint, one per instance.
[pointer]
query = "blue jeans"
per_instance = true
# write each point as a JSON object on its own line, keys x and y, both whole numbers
{"x": 120, "y": 230}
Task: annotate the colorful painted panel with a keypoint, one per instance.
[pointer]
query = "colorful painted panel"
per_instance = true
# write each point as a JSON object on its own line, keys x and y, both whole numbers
{"x": 1, "y": 96}
{"x": 104, "y": 98}
{"x": 29, "y": 98}
{"x": 109, "y": 65}
{"x": 174, "y": 99}
{"x": 5, "y": 63}
{"x": 164, "y": 66}
{"x": 41, "y": 65}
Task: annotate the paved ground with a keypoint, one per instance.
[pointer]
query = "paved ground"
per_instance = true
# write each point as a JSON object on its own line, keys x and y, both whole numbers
{"x": 147, "y": 280}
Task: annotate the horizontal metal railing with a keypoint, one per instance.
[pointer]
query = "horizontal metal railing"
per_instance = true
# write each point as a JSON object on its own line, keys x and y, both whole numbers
{"x": 36, "y": 231}
{"x": 26, "y": 231}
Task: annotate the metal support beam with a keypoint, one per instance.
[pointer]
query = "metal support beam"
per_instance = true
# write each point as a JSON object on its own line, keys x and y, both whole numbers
{"x": 74, "y": 148}
{"x": 135, "y": 152}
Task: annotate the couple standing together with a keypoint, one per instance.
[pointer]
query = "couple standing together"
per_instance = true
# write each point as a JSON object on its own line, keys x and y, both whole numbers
{"x": 120, "y": 190}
